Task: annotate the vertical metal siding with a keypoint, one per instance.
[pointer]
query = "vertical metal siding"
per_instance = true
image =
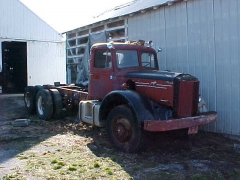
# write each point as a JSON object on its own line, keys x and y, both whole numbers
{"x": 201, "y": 50}
{"x": 1, "y": 56}
{"x": 46, "y": 62}
{"x": 227, "y": 29}
{"x": 18, "y": 22}
{"x": 200, "y": 37}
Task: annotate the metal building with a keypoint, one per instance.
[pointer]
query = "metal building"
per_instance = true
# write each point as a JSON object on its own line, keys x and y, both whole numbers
{"x": 31, "y": 52}
{"x": 200, "y": 37}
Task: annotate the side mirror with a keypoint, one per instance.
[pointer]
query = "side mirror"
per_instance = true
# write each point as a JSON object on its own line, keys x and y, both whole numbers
{"x": 159, "y": 49}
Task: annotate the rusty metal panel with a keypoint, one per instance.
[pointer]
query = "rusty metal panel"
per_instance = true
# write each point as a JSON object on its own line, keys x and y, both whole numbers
{"x": 182, "y": 123}
{"x": 46, "y": 62}
{"x": 160, "y": 90}
{"x": 187, "y": 98}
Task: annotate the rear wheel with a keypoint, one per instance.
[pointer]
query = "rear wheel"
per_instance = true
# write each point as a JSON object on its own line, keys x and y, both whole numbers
{"x": 30, "y": 99}
{"x": 123, "y": 130}
{"x": 44, "y": 104}
{"x": 38, "y": 87}
{"x": 57, "y": 103}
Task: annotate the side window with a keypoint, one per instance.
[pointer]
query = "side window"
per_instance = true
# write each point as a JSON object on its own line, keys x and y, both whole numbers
{"x": 148, "y": 59}
{"x": 102, "y": 59}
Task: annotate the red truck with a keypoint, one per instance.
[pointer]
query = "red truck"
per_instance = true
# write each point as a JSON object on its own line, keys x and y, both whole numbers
{"x": 126, "y": 94}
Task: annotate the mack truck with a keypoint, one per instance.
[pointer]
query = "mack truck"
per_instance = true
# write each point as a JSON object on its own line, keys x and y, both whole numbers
{"x": 127, "y": 94}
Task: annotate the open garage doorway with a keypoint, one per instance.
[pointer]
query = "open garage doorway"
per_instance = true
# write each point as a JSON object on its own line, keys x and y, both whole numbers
{"x": 13, "y": 77}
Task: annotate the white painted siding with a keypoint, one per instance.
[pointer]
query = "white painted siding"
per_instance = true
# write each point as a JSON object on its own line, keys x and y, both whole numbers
{"x": 46, "y": 63}
{"x": 46, "y": 57}
{"x": 1, "y": 57}
{"x": 200, "y": 37}
{"x": 18, "y": 22}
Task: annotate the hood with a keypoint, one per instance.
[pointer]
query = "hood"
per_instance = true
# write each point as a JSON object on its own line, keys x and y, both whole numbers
{"x": 153, "y": 74}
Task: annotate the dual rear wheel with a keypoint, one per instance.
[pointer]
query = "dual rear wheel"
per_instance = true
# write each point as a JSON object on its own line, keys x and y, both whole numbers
{"x": 47, "y": 103}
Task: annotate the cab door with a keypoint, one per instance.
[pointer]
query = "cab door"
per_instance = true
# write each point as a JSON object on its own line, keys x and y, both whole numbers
{"x": 101, "y": 73}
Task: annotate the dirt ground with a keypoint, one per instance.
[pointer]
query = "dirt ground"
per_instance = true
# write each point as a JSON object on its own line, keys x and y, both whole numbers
{"x": 66, "y": 149}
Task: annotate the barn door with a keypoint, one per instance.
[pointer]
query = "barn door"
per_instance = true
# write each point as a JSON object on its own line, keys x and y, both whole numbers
{"x": 14, "y": 67}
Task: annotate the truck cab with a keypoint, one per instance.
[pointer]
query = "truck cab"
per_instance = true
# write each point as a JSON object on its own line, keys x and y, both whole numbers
{"x": 110, "y": 62}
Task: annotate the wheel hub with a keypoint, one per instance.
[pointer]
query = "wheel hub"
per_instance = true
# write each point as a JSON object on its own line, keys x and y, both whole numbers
{"x": 40, "y": 105}
{"x": 122, "y": 130}
{"x": 27, "y": 99}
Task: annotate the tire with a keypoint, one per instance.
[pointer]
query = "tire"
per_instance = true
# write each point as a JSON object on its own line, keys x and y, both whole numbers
{"x": 44, "y": 104}
{"x": 123, "y": 130}
{"x": 30, "y": 99}
{"x": 57, "y": 103}
{"x": 38, "y": 87}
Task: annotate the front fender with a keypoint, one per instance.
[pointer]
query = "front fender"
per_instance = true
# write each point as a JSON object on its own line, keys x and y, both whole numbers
{"x": 139, "y": 105}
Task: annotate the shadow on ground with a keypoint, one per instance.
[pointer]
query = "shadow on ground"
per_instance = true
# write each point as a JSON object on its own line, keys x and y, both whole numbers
{"x": 15, "y": 140}
{"x": 164, "y": 156}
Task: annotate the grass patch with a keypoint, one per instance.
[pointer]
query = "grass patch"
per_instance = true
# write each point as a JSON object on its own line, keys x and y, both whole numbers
{"x": 13, "y": 176}
{"x": 61, "y": 163}
{"x": 81, "y": 171}
{"x": 72, "y": 168}
{"x": 114, "y": 159}
{"x": 57, "y": 167}
{"x": 21, "y": 157}
{"x": 54, "y": 161}
{"x": 96, "y": 165}
{"x": 108, "y": 171}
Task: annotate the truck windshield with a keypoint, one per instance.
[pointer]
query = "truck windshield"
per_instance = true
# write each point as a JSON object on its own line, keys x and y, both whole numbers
{"x": 147, "y": 59}
{"x": 126, "y": 58}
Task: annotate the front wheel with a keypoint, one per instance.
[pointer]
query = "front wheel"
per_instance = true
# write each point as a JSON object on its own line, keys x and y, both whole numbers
{"x": 123, "y": 130}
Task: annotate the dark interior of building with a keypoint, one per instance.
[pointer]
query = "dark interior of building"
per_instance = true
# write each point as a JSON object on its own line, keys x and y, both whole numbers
{"x": 13, "y": 77}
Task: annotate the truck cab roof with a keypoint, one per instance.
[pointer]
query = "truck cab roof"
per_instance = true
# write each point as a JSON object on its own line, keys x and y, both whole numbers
{"x": 121, "y": 45}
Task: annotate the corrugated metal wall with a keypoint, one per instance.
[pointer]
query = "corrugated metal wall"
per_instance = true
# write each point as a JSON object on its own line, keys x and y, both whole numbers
{"x": 18, "y": 22}
{"x": 1, "y": 56}
{"x": 45, "y": 63}
{"x": 200, "y": 37}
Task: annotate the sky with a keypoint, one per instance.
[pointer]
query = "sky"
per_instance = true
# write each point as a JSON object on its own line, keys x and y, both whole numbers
{"x": 65, "y": 15}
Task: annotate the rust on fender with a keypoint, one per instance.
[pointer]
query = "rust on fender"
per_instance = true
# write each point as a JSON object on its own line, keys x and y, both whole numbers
{"x": 182, "y": 123}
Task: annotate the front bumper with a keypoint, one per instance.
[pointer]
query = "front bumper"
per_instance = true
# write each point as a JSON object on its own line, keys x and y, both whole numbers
{"x": 182, "y": 123}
